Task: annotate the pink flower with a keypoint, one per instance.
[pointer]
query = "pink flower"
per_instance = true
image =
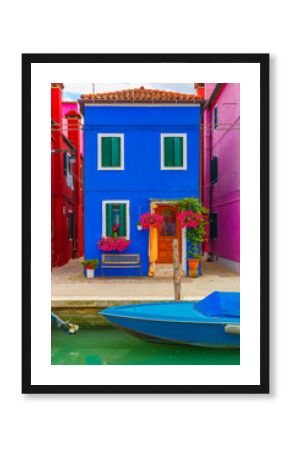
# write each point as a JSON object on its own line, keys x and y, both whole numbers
{"x": 151, "y": 219}
{"x": 116, "y": 227}
{"x": 189, "y": 219}
{"x": 110, "y": 244}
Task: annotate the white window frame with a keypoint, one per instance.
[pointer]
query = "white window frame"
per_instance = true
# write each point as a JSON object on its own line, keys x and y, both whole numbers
{"x": 184, "y": 136}
{"x": 104, "y": 203}
{"x": 100, "y": 136}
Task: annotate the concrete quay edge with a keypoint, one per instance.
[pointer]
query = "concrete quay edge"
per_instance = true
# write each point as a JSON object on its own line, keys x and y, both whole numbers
{"x": 104, "y": 302}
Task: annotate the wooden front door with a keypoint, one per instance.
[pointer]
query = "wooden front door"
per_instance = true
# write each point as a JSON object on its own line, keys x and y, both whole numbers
{"x": 168, "y": 231}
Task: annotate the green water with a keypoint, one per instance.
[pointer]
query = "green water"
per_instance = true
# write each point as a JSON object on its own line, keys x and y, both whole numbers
{"x": 104, "y": 345}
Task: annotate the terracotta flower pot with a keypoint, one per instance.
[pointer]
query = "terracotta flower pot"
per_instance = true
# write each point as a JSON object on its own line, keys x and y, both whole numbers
{"x": 193, "y": 267}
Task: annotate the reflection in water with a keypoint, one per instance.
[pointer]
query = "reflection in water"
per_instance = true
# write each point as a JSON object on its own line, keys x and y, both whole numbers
{"x": 110, "y": 346}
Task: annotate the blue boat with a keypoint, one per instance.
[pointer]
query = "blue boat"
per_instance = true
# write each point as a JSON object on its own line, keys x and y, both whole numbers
{"x": 211, "y": 322}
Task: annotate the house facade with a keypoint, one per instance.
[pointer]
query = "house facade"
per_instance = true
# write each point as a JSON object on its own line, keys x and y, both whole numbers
{"x": 66, "y": 180}
{"x": 142, "y": 150}
{"x": 221, "y": 185}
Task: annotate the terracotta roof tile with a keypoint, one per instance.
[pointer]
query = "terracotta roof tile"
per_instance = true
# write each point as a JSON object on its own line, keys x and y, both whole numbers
{"x": 140, "y": 95}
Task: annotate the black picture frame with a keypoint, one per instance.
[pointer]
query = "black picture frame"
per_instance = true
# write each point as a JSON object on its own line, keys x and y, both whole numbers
{"x": 263, "y": 61}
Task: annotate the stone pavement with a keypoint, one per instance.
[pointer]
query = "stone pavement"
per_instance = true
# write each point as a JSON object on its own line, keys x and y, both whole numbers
{"x": 70, "y": 285}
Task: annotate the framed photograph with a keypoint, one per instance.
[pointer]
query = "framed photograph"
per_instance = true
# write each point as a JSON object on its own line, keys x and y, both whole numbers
{"x": 145, "y": 223}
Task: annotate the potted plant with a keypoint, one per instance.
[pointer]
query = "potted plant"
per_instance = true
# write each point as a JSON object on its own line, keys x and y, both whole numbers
{"x": 151, "y": 219}
{"x": 116, "y": 229}
{"x": 90, "y": 265}
{"x": 192, "y": 216}
{"x": 139, "y": 226}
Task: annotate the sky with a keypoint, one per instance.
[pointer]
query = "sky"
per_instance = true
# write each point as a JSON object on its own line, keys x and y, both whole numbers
{"x": 72, "y": 91}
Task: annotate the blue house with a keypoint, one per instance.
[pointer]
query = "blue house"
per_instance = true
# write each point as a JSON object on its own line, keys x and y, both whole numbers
{"x": 142, "y": 150}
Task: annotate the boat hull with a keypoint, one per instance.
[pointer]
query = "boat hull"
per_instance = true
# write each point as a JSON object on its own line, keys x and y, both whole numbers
{"x": 182, "y": 332}
{"x": 211, "y": 322}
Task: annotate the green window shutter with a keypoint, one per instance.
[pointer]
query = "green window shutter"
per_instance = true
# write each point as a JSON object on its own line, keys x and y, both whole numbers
{"x": 173, "y": 151}
{"x": 213, "y": 222}
{"x": 213, "y": 170}
{"x": 106, "y": 152}
{"x": 111, "y": 151}
{"x": 168, "y": 152}
{"x": 109, "y": 219}
{"x": 123, "y": 219}
{"x": 215, "y": 117}
{"x": 178, "y": 152}
{"x": 116, "y": 151}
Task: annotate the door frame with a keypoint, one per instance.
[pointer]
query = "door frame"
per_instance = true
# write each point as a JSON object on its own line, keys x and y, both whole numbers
{"x": 153, "y": 206}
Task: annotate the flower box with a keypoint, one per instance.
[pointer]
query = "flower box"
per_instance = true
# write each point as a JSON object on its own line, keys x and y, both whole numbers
{"x": 113, "y": 244}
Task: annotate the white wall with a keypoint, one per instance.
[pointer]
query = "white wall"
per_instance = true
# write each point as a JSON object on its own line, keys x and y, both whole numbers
{"x": 136, "y": 422}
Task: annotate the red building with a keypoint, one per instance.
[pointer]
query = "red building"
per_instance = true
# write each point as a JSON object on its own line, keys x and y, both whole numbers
{"x": 66, "y": 182}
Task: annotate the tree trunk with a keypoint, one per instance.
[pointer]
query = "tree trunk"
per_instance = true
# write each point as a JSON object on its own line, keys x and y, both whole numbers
{"x": 176, "y": 271}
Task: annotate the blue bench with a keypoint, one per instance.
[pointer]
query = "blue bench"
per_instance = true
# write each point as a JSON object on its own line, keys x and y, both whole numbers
{"x": 127, "y": 261}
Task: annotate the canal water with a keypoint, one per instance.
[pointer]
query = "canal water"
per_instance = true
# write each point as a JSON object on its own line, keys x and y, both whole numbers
{"x": 106, "y": 345}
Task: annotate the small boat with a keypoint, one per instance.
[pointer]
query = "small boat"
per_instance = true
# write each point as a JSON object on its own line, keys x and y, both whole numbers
{"x": 68, "y": 327}
{"x": 211, "y": 322}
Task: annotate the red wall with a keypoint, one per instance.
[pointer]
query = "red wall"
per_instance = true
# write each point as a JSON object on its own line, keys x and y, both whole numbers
{"x": 64, "y": 199}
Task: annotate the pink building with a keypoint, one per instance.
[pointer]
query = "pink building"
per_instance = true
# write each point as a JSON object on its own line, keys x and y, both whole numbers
{"x": 221, "y": 184}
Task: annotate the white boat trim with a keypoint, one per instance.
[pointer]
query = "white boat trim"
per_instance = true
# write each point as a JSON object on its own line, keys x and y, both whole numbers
{"x": 168, "y": 320}
{"x": 232, "y": 329}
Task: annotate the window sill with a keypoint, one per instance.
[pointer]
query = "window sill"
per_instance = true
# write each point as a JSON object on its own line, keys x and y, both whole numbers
{"x": 110, "y": 168}
{"x": 173, "y": 168}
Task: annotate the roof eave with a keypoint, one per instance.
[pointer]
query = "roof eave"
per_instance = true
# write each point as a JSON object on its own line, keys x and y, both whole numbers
{"x": 214, "y": 95}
